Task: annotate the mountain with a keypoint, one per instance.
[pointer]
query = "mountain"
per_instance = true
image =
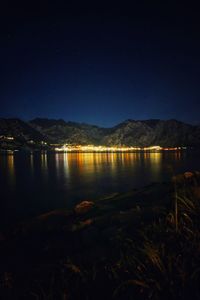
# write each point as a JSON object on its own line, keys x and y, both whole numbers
{"x": 19, "y": 129}
{"x": 154, "y": 132}
{"x": 59, "y": 131}
{"x": 130, "y": 132}
{"x": 21, "y": 132}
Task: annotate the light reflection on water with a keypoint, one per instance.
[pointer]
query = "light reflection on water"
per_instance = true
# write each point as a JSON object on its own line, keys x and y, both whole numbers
{"x": 32, "y": 183}
{"x": 91, "y": 162}
{"x": 11, "y": 170}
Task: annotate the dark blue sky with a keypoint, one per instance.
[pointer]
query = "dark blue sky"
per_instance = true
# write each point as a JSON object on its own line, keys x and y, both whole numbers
{"x": 100, "y": 65}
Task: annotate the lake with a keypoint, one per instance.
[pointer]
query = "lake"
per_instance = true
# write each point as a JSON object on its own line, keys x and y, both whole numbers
{"x": 36, "y": 183}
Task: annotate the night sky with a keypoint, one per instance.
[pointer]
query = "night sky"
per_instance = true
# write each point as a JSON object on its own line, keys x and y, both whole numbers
{"x": 100, "y": 65}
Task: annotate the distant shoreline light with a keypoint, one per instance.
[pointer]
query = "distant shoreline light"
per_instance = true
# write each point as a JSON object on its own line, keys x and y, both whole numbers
{"x": 92, "y": 148}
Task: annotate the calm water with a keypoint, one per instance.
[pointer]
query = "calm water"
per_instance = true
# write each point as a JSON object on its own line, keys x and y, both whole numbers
{"x": 36, "y": 183}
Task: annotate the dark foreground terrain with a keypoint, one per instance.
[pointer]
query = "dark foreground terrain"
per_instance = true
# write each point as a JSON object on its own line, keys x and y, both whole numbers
{"x": 144, "y": 244}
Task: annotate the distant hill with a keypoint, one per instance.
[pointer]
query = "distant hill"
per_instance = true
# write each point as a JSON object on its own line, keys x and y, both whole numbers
{"x": 22, "y": 133}
{"x": 59, "y": 131}
{"x": 130, "y": 132}
{"x": 154, "y": 132}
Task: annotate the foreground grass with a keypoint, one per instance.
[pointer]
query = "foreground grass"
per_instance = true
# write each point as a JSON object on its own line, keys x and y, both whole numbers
{"x": 140, "y": 245}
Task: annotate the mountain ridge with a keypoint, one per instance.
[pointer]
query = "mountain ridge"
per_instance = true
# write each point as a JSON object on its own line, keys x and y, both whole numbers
{"x": 142, "y": 133}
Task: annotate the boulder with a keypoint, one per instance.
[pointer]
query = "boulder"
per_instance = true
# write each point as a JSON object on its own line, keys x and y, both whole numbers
{"x": 188, "y": 175}
{"x": 81, "y": 225}
{"x": 84, "y": 207}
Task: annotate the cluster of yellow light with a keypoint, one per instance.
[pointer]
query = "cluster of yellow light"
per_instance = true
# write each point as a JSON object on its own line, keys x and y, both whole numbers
{"x": 92, "y": 148}
{"x": 3, "y": 137}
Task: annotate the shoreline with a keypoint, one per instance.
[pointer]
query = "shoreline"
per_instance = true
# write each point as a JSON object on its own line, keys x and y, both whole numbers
{"x": 81, "y": 151}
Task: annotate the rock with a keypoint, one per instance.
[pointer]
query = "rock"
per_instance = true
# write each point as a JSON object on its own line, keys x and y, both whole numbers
{"x": 73, "y": 268}
{"x": 110, "y": 196}
{"x": 84, "y": 207}
{"x": 81, "y": 225}
{"x": 188, "y": 175}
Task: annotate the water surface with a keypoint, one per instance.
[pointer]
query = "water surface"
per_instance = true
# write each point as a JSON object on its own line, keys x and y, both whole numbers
{"x": 35, "y": 183}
